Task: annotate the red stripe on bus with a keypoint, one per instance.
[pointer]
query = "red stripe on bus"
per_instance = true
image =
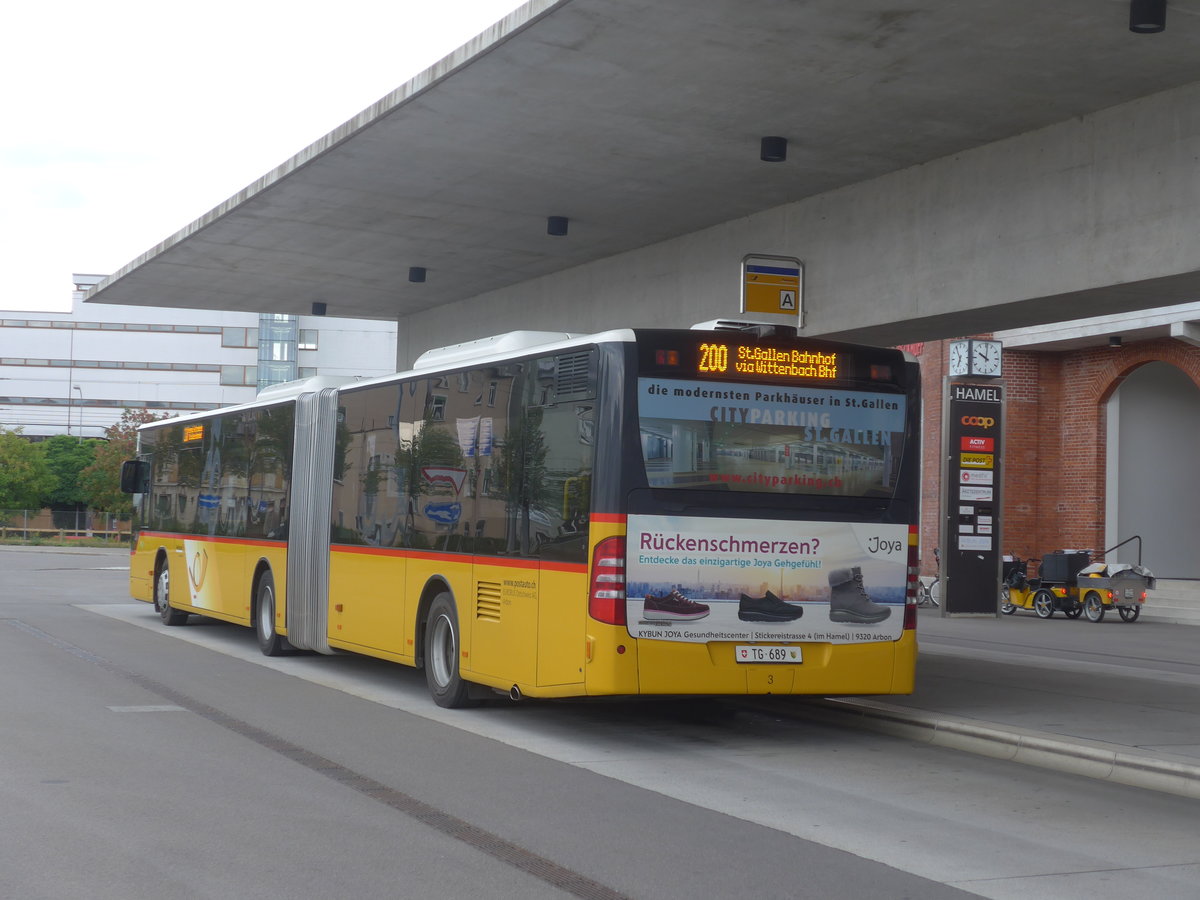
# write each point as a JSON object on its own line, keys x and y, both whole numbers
{"x": 428, "y": 556}
{"x": 211, "y": 539}
{"x": 377, "y": 551}
{"x": 608, "y": 518}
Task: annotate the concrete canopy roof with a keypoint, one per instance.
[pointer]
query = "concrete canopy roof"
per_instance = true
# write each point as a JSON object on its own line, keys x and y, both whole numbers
{"x": 641, "y": 121}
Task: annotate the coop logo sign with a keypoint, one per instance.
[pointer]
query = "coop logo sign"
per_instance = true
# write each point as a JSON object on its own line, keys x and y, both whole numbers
{"x": 980, "y": 421}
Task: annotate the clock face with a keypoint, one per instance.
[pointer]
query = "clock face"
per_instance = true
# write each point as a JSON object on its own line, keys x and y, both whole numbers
{"x": 985, "y": 357}
{"x": 959, "y": 358}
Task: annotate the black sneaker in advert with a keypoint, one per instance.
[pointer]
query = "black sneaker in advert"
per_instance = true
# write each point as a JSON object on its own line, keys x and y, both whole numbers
{"x": 768, "y": 608}
{"x": 673, "y": 607}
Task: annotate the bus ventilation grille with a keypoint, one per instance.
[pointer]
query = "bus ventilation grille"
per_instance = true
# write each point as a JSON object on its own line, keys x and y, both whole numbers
{"x": 573, "y": 376}
{"x": 487, "y": 601}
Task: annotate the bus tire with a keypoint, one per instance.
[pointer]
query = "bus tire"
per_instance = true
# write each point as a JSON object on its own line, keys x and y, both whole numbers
{"x": 270, "y": 642}
{"x": 442, "y": 655}
{"x": 162, "y": 597}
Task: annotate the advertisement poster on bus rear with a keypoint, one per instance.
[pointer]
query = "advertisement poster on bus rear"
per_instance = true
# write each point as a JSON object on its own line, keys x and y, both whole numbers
{"x": 711, "y": 579}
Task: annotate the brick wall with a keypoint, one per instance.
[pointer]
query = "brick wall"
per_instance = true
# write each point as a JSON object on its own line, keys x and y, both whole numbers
{"x": 1054, "y": 441}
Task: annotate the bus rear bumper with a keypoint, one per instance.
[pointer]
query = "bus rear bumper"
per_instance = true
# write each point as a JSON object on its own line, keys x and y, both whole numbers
{"x": 825, "y": 669}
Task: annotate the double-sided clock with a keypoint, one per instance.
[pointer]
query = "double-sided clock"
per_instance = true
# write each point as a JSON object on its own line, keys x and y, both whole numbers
{"x": 972, "y": 357}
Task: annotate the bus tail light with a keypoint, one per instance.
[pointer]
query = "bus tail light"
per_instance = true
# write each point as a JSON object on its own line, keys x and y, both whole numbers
{"x": 911, "y": 583}
{"x": 606, "y": 601}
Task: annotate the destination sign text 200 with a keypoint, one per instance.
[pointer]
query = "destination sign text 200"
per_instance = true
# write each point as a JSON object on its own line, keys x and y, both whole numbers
{"x": 770, "y": 361}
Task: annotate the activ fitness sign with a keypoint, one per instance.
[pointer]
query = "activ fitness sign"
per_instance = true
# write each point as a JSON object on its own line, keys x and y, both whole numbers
{"x": 971, "y": 506}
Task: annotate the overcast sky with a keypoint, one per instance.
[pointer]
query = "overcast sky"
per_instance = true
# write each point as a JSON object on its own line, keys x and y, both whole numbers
{"x": 125, "y": 121}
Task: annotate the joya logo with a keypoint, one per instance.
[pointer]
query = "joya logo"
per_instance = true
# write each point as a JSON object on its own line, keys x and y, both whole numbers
{"x": 198, "y": 569}
{"x": 981, "y": 421}
{"x": 876, "y": 544}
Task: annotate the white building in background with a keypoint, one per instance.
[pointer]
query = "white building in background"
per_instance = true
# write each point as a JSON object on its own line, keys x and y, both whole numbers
{"x": 75, "y": 372}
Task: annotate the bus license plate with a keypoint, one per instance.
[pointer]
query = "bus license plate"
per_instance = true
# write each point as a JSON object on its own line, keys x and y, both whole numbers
{"x": 766, "y": 653}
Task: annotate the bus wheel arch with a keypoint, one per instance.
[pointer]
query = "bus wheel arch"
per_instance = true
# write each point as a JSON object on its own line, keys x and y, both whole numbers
{"x": 441, "y": 643}
{"x": 433, "y": 588}
{"x": 162, "y": 592}
{"x": 262, "y": 612}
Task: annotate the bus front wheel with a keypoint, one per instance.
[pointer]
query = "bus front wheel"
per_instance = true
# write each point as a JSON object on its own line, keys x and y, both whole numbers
{"x": 271, "y": 643}
{"x": 442, "y": 655}
{"x": 162, "y": 597}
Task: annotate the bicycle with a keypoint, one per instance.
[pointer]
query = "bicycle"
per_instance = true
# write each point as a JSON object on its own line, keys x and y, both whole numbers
{"x": 929, "y": 592}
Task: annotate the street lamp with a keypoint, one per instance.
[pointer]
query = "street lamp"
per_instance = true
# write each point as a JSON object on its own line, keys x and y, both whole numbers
{"x": 80, "y": 441}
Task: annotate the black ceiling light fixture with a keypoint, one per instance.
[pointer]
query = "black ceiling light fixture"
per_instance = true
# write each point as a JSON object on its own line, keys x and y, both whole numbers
{"x": 556, "y": 226}
{"x": 1147, "y": 16}
{"x": 773, "y": 149}
{"x": 318, "y": 309}
{"x": 416, "y": 274}
{"x": 1115, "y": 342}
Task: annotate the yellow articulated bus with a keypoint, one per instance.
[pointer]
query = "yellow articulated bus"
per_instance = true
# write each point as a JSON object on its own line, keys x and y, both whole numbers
{"x": 728, "y": 509}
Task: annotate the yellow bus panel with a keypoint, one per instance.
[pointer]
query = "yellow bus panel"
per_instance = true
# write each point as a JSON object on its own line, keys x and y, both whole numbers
{"x": 367, "y": 609}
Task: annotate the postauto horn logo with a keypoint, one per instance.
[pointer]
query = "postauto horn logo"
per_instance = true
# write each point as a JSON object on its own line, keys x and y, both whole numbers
{"x": 981, "y": 421}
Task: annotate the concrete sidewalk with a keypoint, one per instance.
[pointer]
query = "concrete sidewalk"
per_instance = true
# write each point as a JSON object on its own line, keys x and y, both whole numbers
{"x": 1113, "y": 700}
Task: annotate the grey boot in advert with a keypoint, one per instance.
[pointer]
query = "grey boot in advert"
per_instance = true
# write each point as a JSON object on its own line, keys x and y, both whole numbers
{"x": 849, "y": 601}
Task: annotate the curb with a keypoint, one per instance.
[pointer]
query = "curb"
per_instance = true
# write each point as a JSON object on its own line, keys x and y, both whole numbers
{"x": 1092, "y": 759}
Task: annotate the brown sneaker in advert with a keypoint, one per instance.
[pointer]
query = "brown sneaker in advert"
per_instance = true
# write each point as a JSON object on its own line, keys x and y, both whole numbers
{"x": 673, "y": 606}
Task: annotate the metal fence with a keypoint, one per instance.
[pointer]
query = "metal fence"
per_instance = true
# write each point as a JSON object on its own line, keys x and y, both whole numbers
{"x": 62, "y": 524}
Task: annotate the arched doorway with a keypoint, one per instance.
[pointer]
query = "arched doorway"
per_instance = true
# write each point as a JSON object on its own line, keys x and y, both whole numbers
{"x": 1152, "y": 484}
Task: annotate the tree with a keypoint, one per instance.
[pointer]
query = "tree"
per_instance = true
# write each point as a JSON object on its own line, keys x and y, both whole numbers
{"x": 25, "y": 476}
{"x": 101, "y": 481}
{"x": 67, "y": 457}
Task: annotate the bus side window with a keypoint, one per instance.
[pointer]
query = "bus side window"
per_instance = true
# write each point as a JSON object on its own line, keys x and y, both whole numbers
{"x": 563, "y": 499}
{"x": 370, "y": 468}
{"x": 438, "y": 468}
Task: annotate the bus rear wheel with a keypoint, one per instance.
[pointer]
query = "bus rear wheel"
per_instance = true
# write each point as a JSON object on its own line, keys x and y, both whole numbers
{"x": 269, "y": 642}
{"x": 162, "y": 597}
{"x": 442, "y": 647}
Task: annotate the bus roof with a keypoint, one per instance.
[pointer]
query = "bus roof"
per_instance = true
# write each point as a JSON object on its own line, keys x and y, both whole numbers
{"x": 502, "y": 347}
{"x": 482, "y": 351}
{"x": 498, "y": 349}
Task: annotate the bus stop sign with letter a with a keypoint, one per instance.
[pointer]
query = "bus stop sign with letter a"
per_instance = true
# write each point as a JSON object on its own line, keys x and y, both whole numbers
{"x": 773, "y": 289}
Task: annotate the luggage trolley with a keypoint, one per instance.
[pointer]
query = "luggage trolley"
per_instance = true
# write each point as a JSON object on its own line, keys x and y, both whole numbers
{"x": 1055, "y": 588}
{"x": 1118, "y": 586}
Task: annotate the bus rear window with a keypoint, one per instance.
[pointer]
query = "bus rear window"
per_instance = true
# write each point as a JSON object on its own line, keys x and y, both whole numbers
{"x": 726, "y": 436}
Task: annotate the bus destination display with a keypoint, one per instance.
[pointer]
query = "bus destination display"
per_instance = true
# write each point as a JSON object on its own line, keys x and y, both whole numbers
{"x": 747, "y": 359}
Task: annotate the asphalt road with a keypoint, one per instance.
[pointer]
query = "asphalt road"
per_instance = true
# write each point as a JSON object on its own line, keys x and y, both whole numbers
{"x": 142, "y": 761}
